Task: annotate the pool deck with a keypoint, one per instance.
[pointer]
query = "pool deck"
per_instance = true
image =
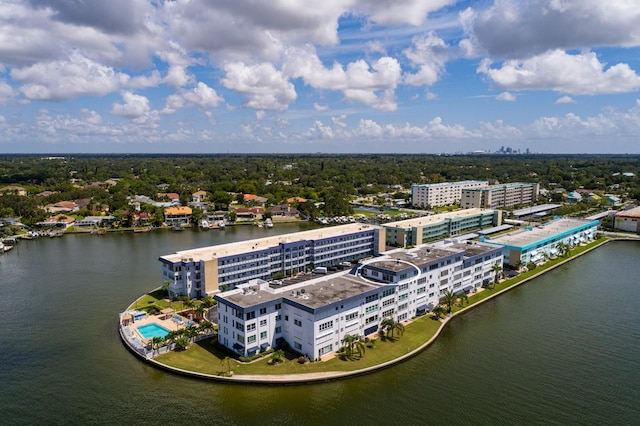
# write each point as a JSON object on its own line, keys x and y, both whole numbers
{"x": 162, "y": 320}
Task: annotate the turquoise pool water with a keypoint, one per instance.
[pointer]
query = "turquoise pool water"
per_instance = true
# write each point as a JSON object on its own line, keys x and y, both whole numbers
{"x": 149, "y": 331}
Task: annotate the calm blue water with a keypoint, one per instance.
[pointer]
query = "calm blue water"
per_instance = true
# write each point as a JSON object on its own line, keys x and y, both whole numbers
{"x": 562, "y": 350}
{"x": 151, "y": 330}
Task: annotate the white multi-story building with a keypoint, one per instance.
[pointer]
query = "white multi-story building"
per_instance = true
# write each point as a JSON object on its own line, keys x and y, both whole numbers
{"x": 314, "y": 316}
{"x": 500, "y": 196}
{"x": 208, "y": 270}
{"x": 442, "y": 194}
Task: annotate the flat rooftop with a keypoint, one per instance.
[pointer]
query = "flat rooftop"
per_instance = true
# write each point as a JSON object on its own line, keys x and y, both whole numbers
{"x": 524, "y": 237}
{"x": 535, "y": 209}
{"x": 429, "y": 220}
{"x": 321, "y": 292}
{"x": 223, "y": 250}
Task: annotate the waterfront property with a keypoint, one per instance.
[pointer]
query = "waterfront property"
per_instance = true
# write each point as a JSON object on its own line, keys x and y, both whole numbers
{"x": 500, "y": 196}
{"x": 538, "y": 243}
{"x": 208, "y": 270}
{"x": 442, "y": 194}
{"x": 627, "y": 220}
{"x": 420, "y": 230}
{"x": 314, "y": 316}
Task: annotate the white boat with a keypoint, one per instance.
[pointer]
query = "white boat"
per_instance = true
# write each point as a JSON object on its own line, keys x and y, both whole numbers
{"x": 221, "y": 224}
{"x": 268, "y": 223}
{"x": 204, "y": 225}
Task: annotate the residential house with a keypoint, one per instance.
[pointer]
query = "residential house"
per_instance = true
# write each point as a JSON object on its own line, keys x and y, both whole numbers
{"x": 199, "y": 196}
{"x": 177, "y": 215}
{"x": 13, "y": 189}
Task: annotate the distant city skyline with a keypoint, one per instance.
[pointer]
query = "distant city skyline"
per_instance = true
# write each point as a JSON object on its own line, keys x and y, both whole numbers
{"x": 339, "y": 76}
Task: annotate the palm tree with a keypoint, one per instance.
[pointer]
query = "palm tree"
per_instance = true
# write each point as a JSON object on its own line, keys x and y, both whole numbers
{"x": 463, "y": 298}
{"x": 277, "y": 356}
{"x": 157, "y": 342}
{"x": 497, "y": 269}
{"x": 200, "y": 310}
{"x": 438, "y": 311}
{"x": 449, "y": 298}
{"x": 191, "y": 332}
{"x": 227, "y": 362}
{"x": 347, "y": 341}
{"x": 182, "y": 343}
{"x": 208, "y": 302}
{"x": 353, "y": 343}
{"x": 563, "y": 248}
{"x": 166, "y": 286}
{"x": 358, "y": 345}
{"x": 206, "y": 327}
{"x": 389, "y": 325}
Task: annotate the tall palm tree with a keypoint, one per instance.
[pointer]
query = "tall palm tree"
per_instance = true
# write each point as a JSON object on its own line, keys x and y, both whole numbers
{"x": 389, "y": 325}
{"x": 347, "y": 341}
{"x": 497, "y": 269}
{"x": 449, "y": 298}
{"x": 191, "y": 332}
{"x": 166, "y": 287}
{"x": 358, "y": 345}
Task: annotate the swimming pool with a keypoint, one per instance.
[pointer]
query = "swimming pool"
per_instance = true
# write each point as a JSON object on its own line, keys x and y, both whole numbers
{"x": 149, "y": 331}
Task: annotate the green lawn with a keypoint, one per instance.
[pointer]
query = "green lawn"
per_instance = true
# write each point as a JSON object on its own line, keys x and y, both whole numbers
{"x": 156, "y": 297}
{"x": 205, "y": 357}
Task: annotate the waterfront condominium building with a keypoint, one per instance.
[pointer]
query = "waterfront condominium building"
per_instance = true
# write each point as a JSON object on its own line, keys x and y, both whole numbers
{"x": 208, "y": 270}
{"x": 540, "y": 242}
{"x": 500, "y": 196}
{"x": 420, "y": 230}
{"x": 442, "y": 194}
{"x": 314, "y": 316}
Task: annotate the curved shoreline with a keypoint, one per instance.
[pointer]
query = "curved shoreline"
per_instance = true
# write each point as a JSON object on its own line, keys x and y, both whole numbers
{"x": 304, "y": 378}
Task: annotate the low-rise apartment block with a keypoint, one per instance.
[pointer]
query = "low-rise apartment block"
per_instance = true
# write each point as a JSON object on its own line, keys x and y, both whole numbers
{"x": 500, "y": 196}
{"x": 208, "y": 270}
{"x": 420, "y": 230}
{"x": 442, "y": 194}
{"x": 540, "y": 242}
{"x": 314, "y": 316}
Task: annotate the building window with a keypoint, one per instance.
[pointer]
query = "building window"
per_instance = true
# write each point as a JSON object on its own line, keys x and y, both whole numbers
{"x": 297, "y": 345}
{"x": 278, "y": 330}
{"x": 371, "y": 319}
{"x": 370, "y": 309}
{"x": 351, "y": 316}
{"x": 263, "y": 322}
{"x": 278, "y": 306}
{"x": 421, "y": 290}
{"x": 263, "y": 335}
{"x": 240, "y": 338}
{"x": 251, "y": 339}
{"x": 371, "y": 298}
{"x": 403, "y": 297}
{"x": 251, "y": 315}
{"x": 263, "y": 311}
{"x": 297, "y": 322}
{"x": 325, "y": 326}
{"x": 278, "y": 317}
{"x": 388, "y": 292}
{"x": 251, "y": 327}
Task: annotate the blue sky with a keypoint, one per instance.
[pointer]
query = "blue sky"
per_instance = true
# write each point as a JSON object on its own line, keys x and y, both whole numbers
{"x": 332, "y": 76}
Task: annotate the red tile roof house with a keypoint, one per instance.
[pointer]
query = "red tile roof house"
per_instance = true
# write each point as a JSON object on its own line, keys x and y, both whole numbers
{"x": 171, "y": 196}
{"x": 255, "y": 199}
{"x": 18, "y": 190}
